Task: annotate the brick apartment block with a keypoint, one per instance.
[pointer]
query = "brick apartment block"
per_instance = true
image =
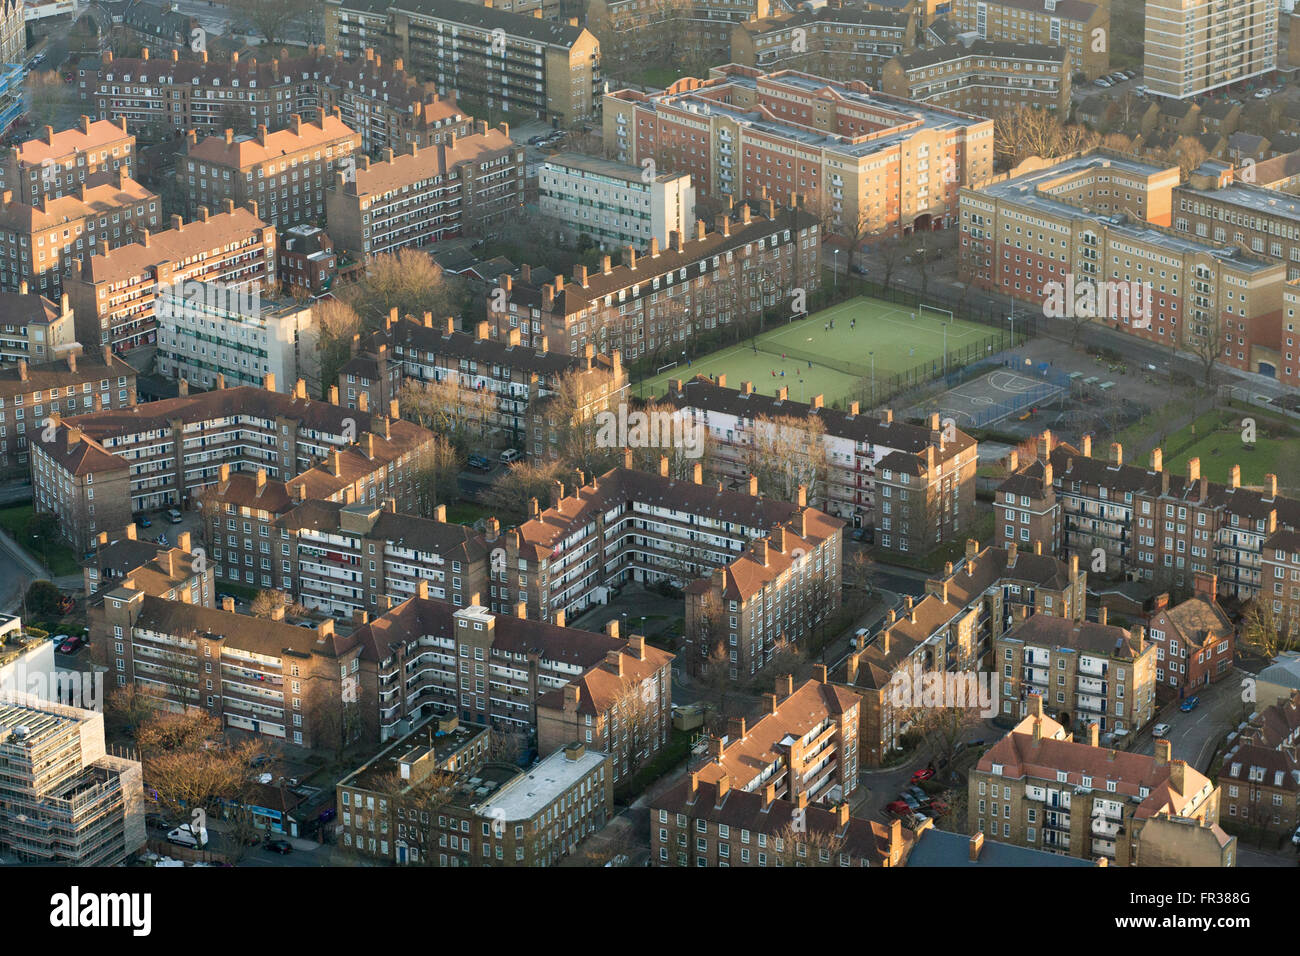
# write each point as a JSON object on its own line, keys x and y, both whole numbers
{"x": 112, "y": 293}
{"x": 1074, "y": 24}
{"x": 698, "y": 823}
{"x": 952, "y": 629}
{"x": 1039, "y": 787}
{"x": 1195, "y": 639}
{"x": 160, "y": 570}
{"x": 653, "y": 303}
{"x": 32, "y": 395}
{"x": 1219, "y": 254}
{"x": 802, "y": 748}
{"x": 285, "y": 172}
{"x": 342, "y": 558}
{"x": 407, "y": 807}
{"x": 48, "y": 238}
{"x": 460, "y": 186}
{"x": 34, "y": 328}
{"x": 1155, "y": 524}
{"x": 521, "y": 378}
{"x": 1260, "y": 775}
{"x": 854, "y": 155}
{"x": 701, "y": 30}
{"x": 426, "y": 657}
{"x": 983, "y": 76}
{"x": 846, "y": 43}
{"x": 794, "y": 572}
{"x": 164, "y": 453}
{"x": 375, "y": 97}
{"x": 55, "y": 164}
{"x": 649, "y": 527}
{"x": 503, "y": 60}
{"x": 929, "y": 468}
{"x": 1083, "y": 672}
{"x": 308, "y": 262}
{"x": 268, "y": 677}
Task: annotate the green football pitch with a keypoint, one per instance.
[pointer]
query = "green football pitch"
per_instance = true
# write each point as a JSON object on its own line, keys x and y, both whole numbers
{"x": 809, "y": 357}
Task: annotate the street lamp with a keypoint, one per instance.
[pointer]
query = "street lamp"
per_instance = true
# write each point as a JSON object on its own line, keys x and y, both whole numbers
{"x": 835, "y": 269}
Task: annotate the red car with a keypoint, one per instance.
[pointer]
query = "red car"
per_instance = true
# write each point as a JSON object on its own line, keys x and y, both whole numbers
{"x": 71, "y": 644}
{"x": 938, "y": 808}
{"x": 898, "y": 807}
{"x": 920, "y": 775}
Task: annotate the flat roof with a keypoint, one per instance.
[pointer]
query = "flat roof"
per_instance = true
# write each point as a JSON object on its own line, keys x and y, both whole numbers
{"x": 607, "y": 167}
{"x": 906, "y": 112}
{"x": 1024, "y": 191}
{"x": 536, "y": 789}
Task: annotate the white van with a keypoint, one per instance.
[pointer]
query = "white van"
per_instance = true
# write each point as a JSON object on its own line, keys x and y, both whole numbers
{"x": 510, "y": 454}
{"x": 184, "y": 836}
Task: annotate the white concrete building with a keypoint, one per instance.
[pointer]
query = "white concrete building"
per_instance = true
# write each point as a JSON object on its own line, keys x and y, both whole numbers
{"x": 615, "y": 203}
{"x": 206, "y": 329}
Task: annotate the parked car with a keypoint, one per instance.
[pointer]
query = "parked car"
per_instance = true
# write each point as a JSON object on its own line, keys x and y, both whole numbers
{"x": 281, "y": 847}
{"x": 1130, "y": 73}
{"x": 1159, "y": 730}
{"x": 535, "y": 140}
{"x": 923, "y": 774}
{"x": 938, "y": 808}
{"x": 898, "y": 807}
{"x": 1263, "y": 94}
{"x": 917, "y": 794}
{"x": 860, "y": 269}
{"x": 1103, "y": 82}
{"x": 479, "y": 462}
{"x": 913, "y": 804}
{"x": 1189, "y": 705}
{"x": 511, "y": 454}
{"x": 143, "y": 521}
{"x": 58, "y": 639}
{"x": 72, "y": 644}
{"x": 1295, "y": 837}
{"x": 174, "y": 515}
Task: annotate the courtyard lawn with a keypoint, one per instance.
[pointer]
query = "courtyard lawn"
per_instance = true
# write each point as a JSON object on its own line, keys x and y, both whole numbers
{"x": 1217, "y": 443}
{"x": 870, "y": 339}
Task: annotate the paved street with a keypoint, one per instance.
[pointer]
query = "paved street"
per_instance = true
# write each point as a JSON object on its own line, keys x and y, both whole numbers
{"x": 1195, "y": 734}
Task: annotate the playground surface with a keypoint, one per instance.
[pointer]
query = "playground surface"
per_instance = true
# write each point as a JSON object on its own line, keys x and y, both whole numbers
{"x": 994, "y": 397}
{"x": 837, "y": 352}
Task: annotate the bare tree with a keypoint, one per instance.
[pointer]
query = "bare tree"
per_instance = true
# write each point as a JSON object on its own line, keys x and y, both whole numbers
{"x": 1031, "y": 131}
{"x": 786, "y": 452}
{"x": 1207, "y": 340}
{"x": 436, "y": 481}
{"x": 798, "y": 845}
{"x": 464, "y": 415}
{"x": 189, "y": 764}
{"x": 272, "y": 20}
{"x": 523, "y": 480}
{"x": 942, "y": 728}
{"x": 267, "y": 603}
{"x": 1187, "y": 154}
{"x": 1263, "y": 631}
{"x": 338, "y": 322}
{"x": 570, "y": 414}
{"x": 860, "y": 579}
{"x": 409, "y": 281}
